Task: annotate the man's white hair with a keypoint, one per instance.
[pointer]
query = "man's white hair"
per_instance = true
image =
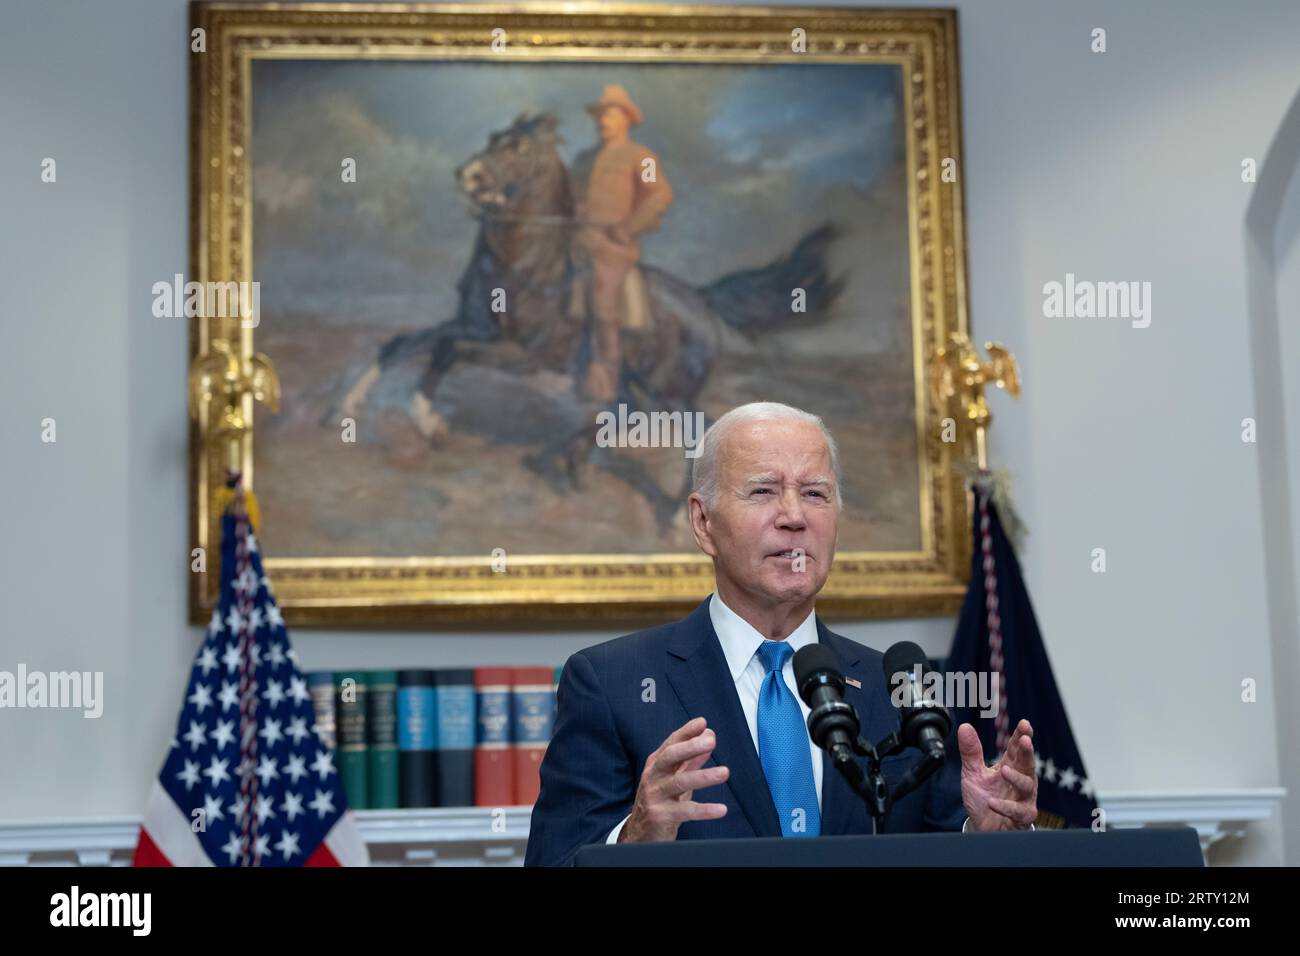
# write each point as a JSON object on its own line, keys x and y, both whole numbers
{"x": 704, "y": 473}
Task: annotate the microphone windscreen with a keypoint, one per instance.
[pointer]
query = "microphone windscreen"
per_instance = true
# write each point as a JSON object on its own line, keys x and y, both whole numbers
{"x": 812, "y": 659}
{"x": 904, "y": 657}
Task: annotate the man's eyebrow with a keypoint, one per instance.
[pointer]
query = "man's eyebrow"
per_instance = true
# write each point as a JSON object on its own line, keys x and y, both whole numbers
{"x": 770, "y": 478}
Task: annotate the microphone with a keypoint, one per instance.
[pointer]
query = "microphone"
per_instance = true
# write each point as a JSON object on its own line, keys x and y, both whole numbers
{"x": 925, "y": 723}
{"x": 833, "y": 723}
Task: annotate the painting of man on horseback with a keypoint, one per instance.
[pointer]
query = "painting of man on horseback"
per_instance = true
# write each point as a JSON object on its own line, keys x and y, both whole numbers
{"x": 498, "y": 280}
{"x": 554, "y": 291}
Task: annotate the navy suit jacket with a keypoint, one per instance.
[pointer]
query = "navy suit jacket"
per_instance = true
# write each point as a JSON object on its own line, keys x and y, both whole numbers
{"x": 618, "y": 701}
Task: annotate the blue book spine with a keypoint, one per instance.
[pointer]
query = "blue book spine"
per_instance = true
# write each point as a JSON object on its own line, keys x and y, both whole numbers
{"x": 417, "y": 727}
{"x": 454, "y": 740}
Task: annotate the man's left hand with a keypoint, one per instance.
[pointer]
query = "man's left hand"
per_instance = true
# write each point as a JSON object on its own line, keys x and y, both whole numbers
{"x": 1005, "y": 795}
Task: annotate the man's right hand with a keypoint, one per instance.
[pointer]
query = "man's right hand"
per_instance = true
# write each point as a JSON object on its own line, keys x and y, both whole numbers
{"x": 672, "y": 773}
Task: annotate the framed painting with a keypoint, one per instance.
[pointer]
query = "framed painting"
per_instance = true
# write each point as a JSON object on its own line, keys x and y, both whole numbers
{"x": 489, "y": 243}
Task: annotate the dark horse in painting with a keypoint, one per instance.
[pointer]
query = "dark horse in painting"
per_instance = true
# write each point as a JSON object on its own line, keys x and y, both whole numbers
{"x": 523, "y": 310}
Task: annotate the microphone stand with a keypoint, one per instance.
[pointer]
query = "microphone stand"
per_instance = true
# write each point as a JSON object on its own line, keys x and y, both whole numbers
{"x": 870, "y": 785}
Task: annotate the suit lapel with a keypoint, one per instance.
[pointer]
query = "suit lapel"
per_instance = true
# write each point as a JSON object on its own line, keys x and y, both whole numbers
{"x": 698, "y": 672}
{"x": 839, "y": 801}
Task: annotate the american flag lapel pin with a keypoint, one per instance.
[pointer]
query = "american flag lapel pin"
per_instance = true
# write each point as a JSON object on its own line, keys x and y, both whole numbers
{"x": 853, "y": 683}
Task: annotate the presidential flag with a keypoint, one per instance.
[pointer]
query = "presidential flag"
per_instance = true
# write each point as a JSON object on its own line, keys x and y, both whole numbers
{"x": 997, "y": 633}
{"x": 248, "y": 780}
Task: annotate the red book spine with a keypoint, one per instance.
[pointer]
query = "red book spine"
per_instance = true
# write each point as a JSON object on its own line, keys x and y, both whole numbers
{"x": 494, "y": 772}
{"x": 534, "y": 718}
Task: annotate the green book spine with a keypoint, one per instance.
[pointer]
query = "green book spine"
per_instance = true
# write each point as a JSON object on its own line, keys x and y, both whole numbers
{"x": 381, "y": 749}
{"x": 353, "y": 765}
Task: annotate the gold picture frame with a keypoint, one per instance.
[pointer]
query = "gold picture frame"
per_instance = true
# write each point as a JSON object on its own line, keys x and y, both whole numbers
{"x": 560, "y": 588}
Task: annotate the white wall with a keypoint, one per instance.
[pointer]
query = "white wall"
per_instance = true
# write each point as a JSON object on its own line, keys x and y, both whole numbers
{"x": 1116, "y": 166}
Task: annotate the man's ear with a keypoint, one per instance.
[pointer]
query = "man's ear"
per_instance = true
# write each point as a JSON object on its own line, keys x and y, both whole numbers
{"x": 699, "y": 516}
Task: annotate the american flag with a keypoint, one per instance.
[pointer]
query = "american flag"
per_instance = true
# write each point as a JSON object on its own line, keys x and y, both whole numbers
{"x": 248, "y": 781}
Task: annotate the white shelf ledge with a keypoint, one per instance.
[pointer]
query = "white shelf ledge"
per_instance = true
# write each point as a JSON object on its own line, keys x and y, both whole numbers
{"x": 450, "y": 836}
{"x": 486, "y": 836}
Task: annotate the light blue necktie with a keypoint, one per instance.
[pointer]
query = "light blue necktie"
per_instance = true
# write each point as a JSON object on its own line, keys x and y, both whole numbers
{"x": 783, "y": 747}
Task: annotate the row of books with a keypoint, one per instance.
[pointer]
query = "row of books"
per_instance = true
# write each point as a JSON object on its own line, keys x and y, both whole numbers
{"x": 451, "y": 737}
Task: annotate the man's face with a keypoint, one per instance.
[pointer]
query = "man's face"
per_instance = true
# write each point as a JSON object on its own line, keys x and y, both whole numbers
{"x": 613, "y": 122}
{"x": 776, "y": 494}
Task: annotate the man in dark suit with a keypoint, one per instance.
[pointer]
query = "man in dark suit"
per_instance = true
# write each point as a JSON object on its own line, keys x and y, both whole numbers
{"x": 694, "y": 730}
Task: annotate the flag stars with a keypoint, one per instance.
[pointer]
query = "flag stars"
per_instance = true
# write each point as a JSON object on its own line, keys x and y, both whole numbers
{"x": 202, "y": 697}
{"x": 295, "y": 768}
{"x": 212, "y": 809}
{"x": 229, "y": 695}
{"x": 254, "y": 759}
{"x": 263, "y": 808}
{"x": 323, "y": 804}
{"x": 298, "y": 730}
{"x": 233, "y": 847}
{"x": 298, "y": 690}
{"x": 1049, "y": 770}
{"x": 217, "y": 772}
{"x": 271, "y": 732}
{"x": 323, "y": 764}
{"x": 245, "y": 582}
{"x": 223, "y": 734}
{"x": 1085, "y": 788}
{"x": 1068, "y": 778}
{"x": 274, "y": 693}
{"x": 190, "y": 775}
{"x": 292, "y": 805}
{"x": 197, "y": 735}
{"x": 266, "y": 771}
{"x": 288, "y": 844}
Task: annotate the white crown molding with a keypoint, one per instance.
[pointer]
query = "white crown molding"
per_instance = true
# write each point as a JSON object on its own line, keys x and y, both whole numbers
{"x": 1214, "y": 814}
{"x": 485, "y": 836}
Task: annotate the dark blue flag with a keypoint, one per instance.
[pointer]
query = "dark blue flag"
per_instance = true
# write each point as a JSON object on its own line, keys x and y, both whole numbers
{"x": 997, "y": 633}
